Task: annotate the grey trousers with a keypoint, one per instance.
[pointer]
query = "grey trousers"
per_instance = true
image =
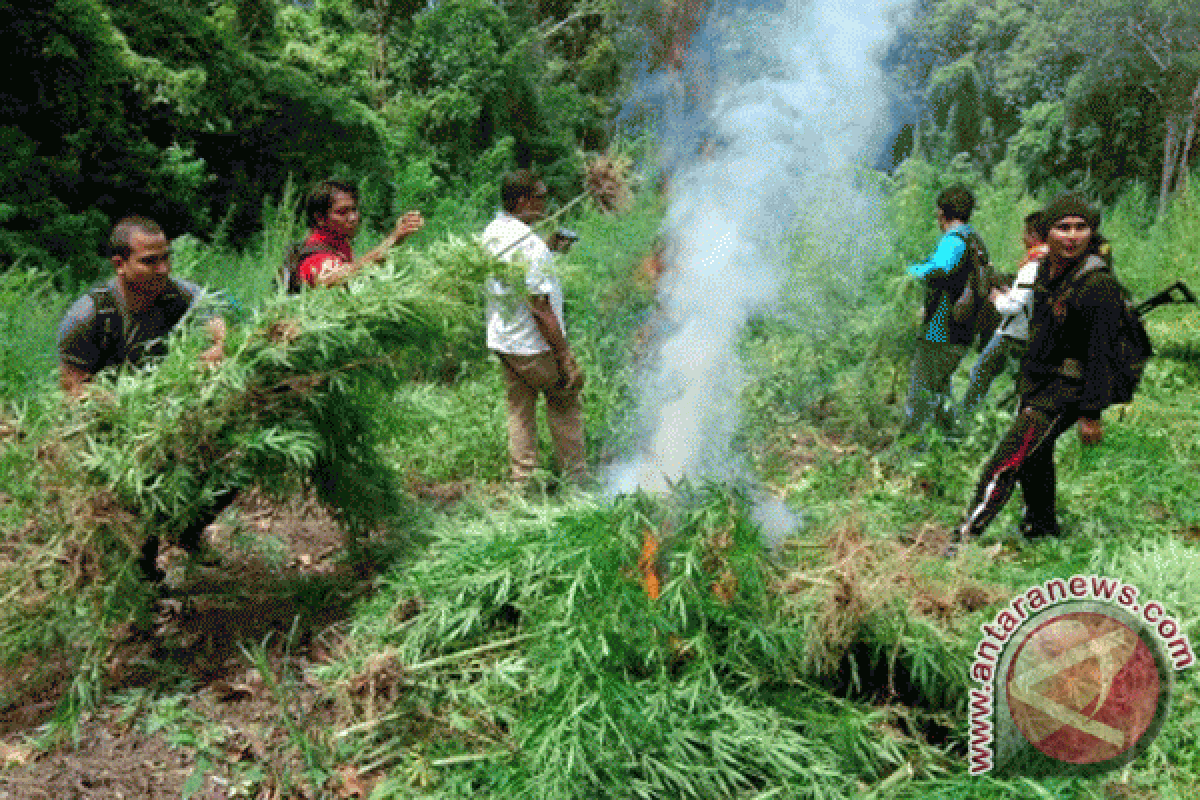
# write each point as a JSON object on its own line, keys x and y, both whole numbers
{"x": 991, "y": 363}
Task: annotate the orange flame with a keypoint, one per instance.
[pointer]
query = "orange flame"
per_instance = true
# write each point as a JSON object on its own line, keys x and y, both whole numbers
{"x": 648, "y": 565}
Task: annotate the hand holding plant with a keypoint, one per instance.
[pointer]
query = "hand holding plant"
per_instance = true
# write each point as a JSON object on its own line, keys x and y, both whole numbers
{"x": 571, "y": 376}
{"x": 407, "y": 225}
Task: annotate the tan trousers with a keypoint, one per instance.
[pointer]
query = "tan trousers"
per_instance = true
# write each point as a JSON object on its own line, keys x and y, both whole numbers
{"x": 524, "y": 378}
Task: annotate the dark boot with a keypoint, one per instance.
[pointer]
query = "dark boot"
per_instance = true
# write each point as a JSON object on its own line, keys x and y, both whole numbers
{"x": 1037, "y": 528}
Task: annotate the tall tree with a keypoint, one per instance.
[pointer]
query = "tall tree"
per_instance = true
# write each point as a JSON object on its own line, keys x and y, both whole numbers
{"x": 251, "y": 21}
{"x": 78, "y": 140}
{"x": 1154, "y": 45}
{"x": 1077, "y": 90}
{"x": 254, "y": 120}
{"x": 382, "y": 17}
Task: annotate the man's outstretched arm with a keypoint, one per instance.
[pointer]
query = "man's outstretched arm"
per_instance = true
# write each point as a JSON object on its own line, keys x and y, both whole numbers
{"x": 335, "y": 272}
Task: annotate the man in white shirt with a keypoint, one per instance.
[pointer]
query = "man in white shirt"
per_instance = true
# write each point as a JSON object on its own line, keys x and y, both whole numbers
{"x": 1011, "y": 338}
{"x": 528, "y": 336}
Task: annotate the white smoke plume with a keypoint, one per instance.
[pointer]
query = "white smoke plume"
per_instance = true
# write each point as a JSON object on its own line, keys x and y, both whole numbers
{"x": 779, "y": 105}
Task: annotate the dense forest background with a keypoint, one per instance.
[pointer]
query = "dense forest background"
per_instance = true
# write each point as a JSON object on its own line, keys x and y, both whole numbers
{"x": 199, "y": 112}
{"x": 449, "y": 636}
{"x": 1091, "y": 96}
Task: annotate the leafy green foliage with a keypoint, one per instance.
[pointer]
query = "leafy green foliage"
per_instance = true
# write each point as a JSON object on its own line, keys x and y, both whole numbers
{"x": 540, "y": 638}
{"x": 1084, "y": 97}
{"x": 955, "y": 97}
{"x": 75, "y": 82}
{"x": 148, "y": 452}
{"x": 520, "y": 654}
{"x": 29, "y": 312}
{"x": 197, "y": 113}
{"x": 255, "y": 120}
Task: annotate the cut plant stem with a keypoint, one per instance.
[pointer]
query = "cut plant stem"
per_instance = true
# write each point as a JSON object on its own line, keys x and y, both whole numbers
{"x": 468, "y": 758}
{"x": 464, "y": 654}
{"x": 367, "y": 725}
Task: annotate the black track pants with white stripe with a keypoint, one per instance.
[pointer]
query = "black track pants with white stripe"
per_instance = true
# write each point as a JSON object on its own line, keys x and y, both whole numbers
{"x": 1026, "y": 456}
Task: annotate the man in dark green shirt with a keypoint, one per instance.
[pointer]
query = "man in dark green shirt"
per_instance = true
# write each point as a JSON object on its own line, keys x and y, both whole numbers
{"x": 127, "y": 319}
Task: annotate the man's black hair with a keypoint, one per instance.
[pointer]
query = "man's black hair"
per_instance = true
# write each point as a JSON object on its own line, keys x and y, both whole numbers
{"x": 122, "y": 233}
{"x": 956, "y": 202}
{"x": 320, "y": 199}
{"x": 517, "y": 185}
{"x": 1033, "y": 223}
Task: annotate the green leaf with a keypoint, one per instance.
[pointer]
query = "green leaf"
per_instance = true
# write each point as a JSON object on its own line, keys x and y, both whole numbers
{"x": 195, "y": 781}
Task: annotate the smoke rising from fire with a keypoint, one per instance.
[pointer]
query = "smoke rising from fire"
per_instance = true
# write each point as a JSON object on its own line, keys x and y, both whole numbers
{"x": 766, "y": 111}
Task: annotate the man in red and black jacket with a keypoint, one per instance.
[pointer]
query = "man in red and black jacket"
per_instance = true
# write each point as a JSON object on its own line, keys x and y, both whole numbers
{"x": 1067, "y": 374}
{"x": 327, "y": 255}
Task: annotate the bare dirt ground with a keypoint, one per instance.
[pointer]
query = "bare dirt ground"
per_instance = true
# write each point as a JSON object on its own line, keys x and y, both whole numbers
{"x": 190, "y": 714}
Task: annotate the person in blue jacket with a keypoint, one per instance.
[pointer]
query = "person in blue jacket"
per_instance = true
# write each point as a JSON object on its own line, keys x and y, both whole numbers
{"x": 943, "y": 342}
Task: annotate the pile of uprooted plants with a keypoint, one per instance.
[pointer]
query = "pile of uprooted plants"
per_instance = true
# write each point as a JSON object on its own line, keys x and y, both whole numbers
{"x": 652, "y": 647}
{"x": 295, "y": 404}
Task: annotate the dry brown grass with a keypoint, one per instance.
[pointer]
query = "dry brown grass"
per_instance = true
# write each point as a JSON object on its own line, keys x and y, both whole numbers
{"x": 858, "y": 577}
{"x": 608, "y": 183}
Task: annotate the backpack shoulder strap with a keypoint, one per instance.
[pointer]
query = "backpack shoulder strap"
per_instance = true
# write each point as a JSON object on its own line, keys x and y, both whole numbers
{"x": 980, "y": 248}
{"x": 1091, "y": 265}
{"x": 980, "y": 276}
{"x": 984, "y": 265}
{"x": 974, "y": 245}
{"x": 176, "y": 293}
{"x": 303, "y": 251}
{"x": 966, "y": 239}
{"x": 105, "y": 300}
{"x": 180, "y": 299}
{"x": 110, "y": 321}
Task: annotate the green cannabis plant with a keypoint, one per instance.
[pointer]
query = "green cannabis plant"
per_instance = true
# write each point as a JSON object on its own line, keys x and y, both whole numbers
{"x": 299, "y": 401}
{"x": 531, "y": 652}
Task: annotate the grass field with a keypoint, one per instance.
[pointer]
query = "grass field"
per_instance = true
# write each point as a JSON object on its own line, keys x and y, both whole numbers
{"x": 503, "y": 646}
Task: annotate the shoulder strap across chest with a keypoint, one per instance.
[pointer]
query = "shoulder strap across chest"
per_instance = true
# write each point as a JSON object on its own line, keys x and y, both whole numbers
{"x": 109, "y": 318}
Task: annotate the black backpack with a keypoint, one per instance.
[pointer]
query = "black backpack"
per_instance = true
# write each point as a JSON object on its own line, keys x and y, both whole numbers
{"x": 289, "y": 272}
{"x": 968, "y": 309}
{"x": 1132, "y": 347}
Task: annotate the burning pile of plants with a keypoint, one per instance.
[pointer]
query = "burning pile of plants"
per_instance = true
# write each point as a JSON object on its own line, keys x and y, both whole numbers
{"x": 649, "y": 644}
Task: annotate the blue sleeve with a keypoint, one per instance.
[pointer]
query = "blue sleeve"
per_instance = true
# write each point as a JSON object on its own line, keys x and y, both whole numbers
{"x": 944, "y": 259}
